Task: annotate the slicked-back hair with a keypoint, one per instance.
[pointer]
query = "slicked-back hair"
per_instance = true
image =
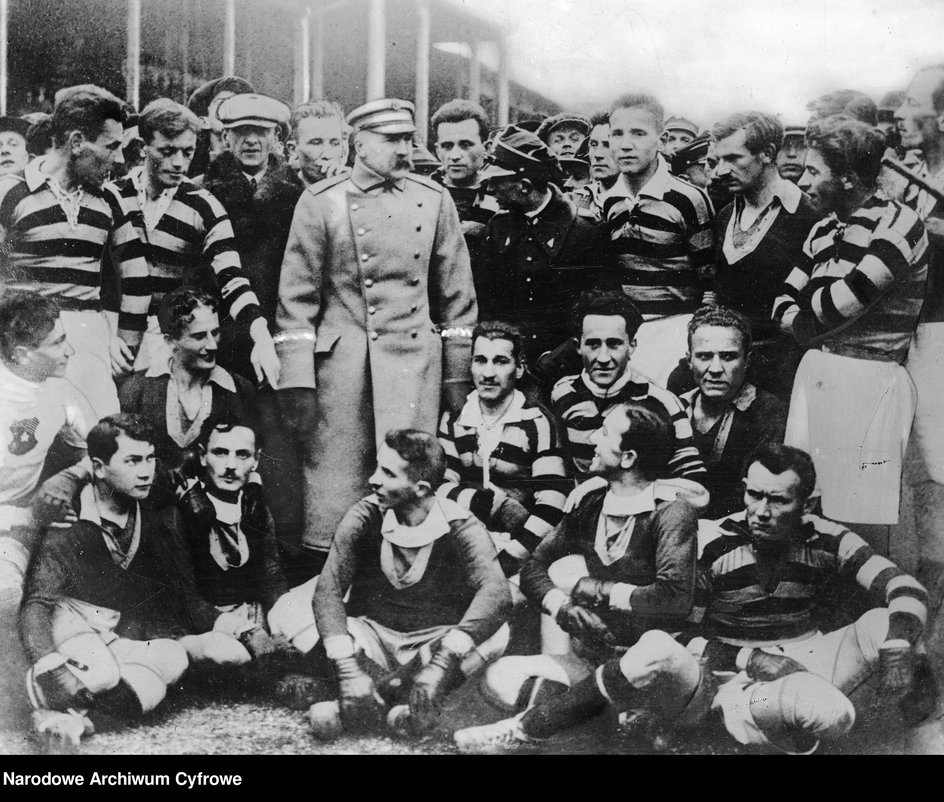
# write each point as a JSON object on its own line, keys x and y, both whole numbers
{"x": 848, "y": 147}
{"x": 607, "y": 302}
{"x": 424, "y": 456}
{"x": 500, "y": 330}
{"x": 177, "y": 307}
{"x": 102, "y": 441}
{"x": 643, "y": 100}
{"x": 777, "y": 458}
{"x": 761, "y": 130}
{"x": 455, "y": 111}
{"x": 601, "y": 117}
{"x": 85, "y": 110}
{"x": 26, "y": 318}
{"x": 850, "y": 102}
{"x": 168, "y": 118}
{"x": 651, "y": 435}
{"x": 722, "y": 317}
{"x": 223, "y": 425}
{"x": 319, "y": 109}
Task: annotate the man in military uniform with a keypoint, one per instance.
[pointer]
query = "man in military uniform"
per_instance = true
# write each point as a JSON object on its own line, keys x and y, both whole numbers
{"x": 376, "y": 309}
{"x": 678, "y": 133}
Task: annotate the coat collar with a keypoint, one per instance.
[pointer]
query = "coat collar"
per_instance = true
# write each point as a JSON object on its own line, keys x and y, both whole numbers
{"x": 549, "y": 228}
{"x": 368, "y": 180}
{"x": 219, "y": 376}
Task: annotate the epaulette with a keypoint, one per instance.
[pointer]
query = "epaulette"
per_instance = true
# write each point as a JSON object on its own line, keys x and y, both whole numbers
{"x": 327, "y": 183}
{"x": 426, "y": 182}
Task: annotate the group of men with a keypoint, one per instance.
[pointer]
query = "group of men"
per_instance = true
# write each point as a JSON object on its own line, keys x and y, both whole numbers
{"x": 328, "y": 422}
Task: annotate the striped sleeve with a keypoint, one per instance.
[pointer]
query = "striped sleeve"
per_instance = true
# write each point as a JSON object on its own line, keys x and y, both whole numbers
{"x": 686, "y": 461}
{"x": 447, "y": 439}
{"x": 550, "y": 483}
{"x": 700, "y": 236}
{"x": 786, "y": 304}
{"x": 129, "y": 257}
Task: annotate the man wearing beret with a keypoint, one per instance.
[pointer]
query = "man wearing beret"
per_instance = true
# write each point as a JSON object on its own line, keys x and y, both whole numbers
{"x": 376, "y": 310}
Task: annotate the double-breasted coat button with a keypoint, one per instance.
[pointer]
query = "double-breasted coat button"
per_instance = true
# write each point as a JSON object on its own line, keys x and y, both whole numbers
{"x": 354, "y": 207}
{"x": 365, "y": 257}
{"x": 416, "y": 255}
{"x": 368, "y": 282}
{"x": 414, "y": 281}
{"x": 414, "y": 334}
{"x": 374, "y": 335}
{"x": 361, "y": 232}
{"x": 371, "y": 310}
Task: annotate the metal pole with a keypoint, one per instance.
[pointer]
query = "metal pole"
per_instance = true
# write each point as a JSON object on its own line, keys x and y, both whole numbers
{"x": 303, "y": 77}
{"x": 316, "y": 34}
{"x": 475, "y": 73}
{"x": 133, "y": 69}
{"x": 4, "y": 74}
{"x": 422, "y": 67}
{"x": 229, "y": 38}
{"x": 503, "y": 83}
{"x": 376, "y": 51}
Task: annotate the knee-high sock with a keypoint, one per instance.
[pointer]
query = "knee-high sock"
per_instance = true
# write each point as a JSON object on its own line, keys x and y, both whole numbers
{"x": 583, "y": 700}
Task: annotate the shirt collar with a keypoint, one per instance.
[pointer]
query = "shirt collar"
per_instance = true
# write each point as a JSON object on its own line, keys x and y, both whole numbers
{"x": 658, "y": 184}
{"x": 432, "y": 528}
{"x": 219, "y": 376}
{"x": 613, "y": 389}
{"x": 624, "y": 506}
{"x": 788, "y": 193}
{"x": 742, "y": 401}
{"x": 471, "y": 414}
{"x": 368, "y": 180}
{"x": 34, "y": 174}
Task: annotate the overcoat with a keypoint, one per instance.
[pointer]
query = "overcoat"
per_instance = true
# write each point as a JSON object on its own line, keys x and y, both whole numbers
{"x": 376, "y": 310}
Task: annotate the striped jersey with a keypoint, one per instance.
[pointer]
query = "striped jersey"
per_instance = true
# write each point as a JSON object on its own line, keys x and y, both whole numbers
{"x": 194, "y": 233}
{"x": 926, "y": 205}
{"x": 663, "y": 242}
{"x": 526, "y": 457}
{"x": 745, "y": 612}
{"x": 580, "y": 407}
{"x": 53, "y": 241}
{"x": 860, "y": 282}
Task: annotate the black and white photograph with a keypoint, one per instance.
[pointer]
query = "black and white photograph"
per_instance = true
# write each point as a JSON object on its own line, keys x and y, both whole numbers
{"x": 468, "y": 377}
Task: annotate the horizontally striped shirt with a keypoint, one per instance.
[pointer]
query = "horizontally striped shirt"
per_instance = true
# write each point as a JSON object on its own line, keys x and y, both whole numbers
{"x": 580, "y": 407}
{"x": 860, "y": 283}
{"x": 193, "y": 233}
{"x": 663, "y": 242}
{"x": 527, "y": 457}
{"x": 43, "y": 250}
{"x": 926, "y": 205}
{"x": 744, "y": 612}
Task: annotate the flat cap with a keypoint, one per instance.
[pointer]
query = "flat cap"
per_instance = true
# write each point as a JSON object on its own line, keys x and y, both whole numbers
{"x": 794, "y": 130}
{"x": 16, "y": 124}
{"x": 199, "y": 102}
{"x": 681, "y": 124}
{"x": 565, "y": 118}
{"x": 386, "y": 116}
{"x": 516, "y": 152}
{"x": 253, "y": 109}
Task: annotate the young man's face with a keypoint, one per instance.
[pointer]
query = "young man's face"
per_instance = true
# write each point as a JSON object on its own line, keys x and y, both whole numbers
{"x": 167, "y": 160}
{"x": 251, "y": 145}
{"x": 821, "y": 184}
{"x": 94, "y": 159}
{"x": 461, "y": 150}
{"x": 602, "y": 163}
{"x": 741, "y": 169}
{"x": 607, "y": 441}
{"x": 673, "y": 139}
{"x": 774, "y": 506}
{"x": 634, "y": 140}
{"x": 195, "y": 349}
{"x": 494, "y": 369}
{"x": 390, "y": 482}
{"x": 918, "y": 122}
{"x": 48, "y": 359}
{"x": 388, "y": 155}
{"x": 13, "y": 155}
{"x": 130, "y": 471}
{"x": 229, "y": 458}
{"x": 565, "y": 140}
{"x": 718, "y": 361}
{"x": 791, "y": 157}
{"x": 605, "y": 348}
{"x": 318, "y": 146}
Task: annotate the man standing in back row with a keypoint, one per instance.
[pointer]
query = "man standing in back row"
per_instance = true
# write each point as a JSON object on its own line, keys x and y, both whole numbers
{"x": 376, "y": 309}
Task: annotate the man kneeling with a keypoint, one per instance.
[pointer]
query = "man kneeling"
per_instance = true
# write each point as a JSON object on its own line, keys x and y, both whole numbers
{"x": 427, "y": 596}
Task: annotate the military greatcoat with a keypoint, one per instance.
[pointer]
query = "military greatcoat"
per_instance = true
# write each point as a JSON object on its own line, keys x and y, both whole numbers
{"x": 376, "y": 310}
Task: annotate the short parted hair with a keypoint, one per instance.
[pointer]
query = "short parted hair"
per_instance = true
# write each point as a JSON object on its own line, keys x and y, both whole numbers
{"x": 102, "y": 441}
{"x": 26, "y": 318}
{"x": 455, "y": 111}
{"x": 723, "y": 317}
{"x": 224, "y": 425}
{"x": 176, "y": 309}
{"x": 168, "y": 118}
{"x": 85, "y": 110}
{"x": 850, "y": 102}
{"x": 848, "y": 147}
{"x": 607, "y": 302}
{"x": 761, "y": 130}
{"x": 601, "y": 117}
{"x": 500, "y": 330}
{"x": 777, "y": 458}
{"x": 321, "y": 109}
{"x": 424, "y": 456}
{"x": 643, "y": 100}
{"x": 651, "y": 435}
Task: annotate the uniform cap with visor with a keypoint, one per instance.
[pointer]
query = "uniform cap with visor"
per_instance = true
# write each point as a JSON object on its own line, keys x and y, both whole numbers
{"x": 385, "y": 116}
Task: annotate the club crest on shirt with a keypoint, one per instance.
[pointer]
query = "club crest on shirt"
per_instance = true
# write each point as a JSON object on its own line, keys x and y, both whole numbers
{"x": 24, "y": 436}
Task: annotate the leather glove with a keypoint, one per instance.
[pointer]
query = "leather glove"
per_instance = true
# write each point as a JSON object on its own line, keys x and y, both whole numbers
{"x": 430, "y": 685}
{"x": 197, "y": 510}
{"x": 592, "y": 593}
{"x": 583, "y": 623}
{"x": 358, "y": 696}
{"x": 258, "y": 642}
{"x": 61, "y": 689}
{"x": 896, "y": 666}
{"x": 765, "y": 666}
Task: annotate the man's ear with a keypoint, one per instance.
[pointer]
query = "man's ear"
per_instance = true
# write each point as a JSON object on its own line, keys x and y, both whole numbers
{"x": 290, "y": 145}
{"x": 526, "y": 186}
{"x": 629, "y": 459}
{"x": 519, "y": 368}
{"x": 21, "y": 354}
{"x": 76, "y": 139}
{"x": 422, "y": 488}
{"x": 98, "y": 468}
{"x": 632, "y": 346}
{"x": 940, "y": 123}
{"x": 201, "y": 449}
{"x": 809, "y": 504}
